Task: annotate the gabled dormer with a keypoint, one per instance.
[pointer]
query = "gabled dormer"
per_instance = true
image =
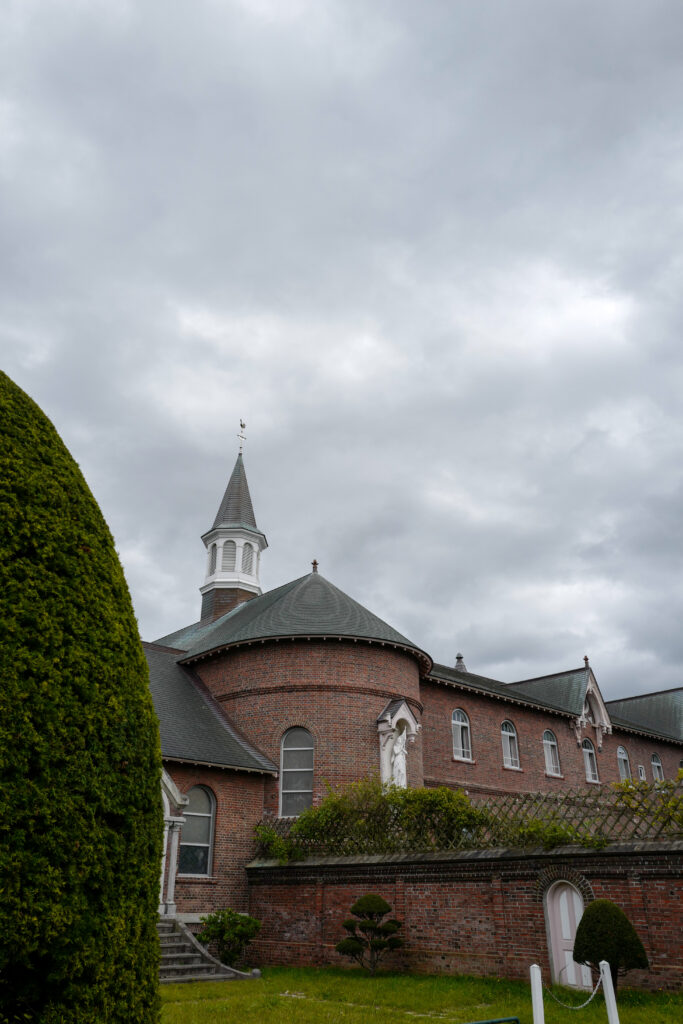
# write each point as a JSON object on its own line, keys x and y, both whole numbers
{"x": 233, "y": 550}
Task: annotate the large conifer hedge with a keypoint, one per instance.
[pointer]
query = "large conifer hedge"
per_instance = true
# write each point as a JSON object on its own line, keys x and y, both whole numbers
{"x": 80, "y": 805}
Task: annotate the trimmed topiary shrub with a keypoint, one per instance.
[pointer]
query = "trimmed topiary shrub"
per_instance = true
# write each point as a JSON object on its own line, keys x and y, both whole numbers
{"x": 80, "y": 764}
{"x": 230, "y": 933}
{"x": 605, "y": 933}
{"x": 369, "y": 936}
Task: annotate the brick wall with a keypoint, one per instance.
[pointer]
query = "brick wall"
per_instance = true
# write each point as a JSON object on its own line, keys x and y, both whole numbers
{"x": 478, "y": 913}
{"x": 334, "y": 689}
{"x": 487, "y": 773}
{"x": 239, "y": 808}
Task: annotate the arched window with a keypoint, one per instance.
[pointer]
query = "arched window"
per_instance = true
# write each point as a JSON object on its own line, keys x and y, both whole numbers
{"x": 641, "y": 773}
{"x": 657, "y": 770}
{"x": 623, "y": 764}
{"x": 510, "y": 748}
{"x": 551, "y": 753}
{"x": 589, "y": 761}
{"x": 296, "y": 772}
{"x": 229, "y": 552}
{"x": 196, "y": 837}
{"x": 247, "y": 558}
{"x": 212, "y": 560}
{"x": 462, "y": 744}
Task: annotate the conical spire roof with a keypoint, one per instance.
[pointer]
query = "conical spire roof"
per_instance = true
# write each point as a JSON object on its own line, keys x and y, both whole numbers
{"x": 236, "y": 508}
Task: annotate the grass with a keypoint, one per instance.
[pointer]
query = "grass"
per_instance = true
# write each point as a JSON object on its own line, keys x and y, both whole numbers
{"x": 327, "y": 996}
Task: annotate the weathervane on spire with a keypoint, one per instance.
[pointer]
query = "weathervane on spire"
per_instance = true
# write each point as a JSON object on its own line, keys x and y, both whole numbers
{"x": 241, "y": 436}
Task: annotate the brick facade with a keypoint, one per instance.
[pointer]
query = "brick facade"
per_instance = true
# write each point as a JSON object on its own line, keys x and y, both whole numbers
{"x": 481, "y": 913}
{"x": 486, "y": 772}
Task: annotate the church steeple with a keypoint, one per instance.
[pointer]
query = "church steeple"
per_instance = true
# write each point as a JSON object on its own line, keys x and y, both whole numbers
{"x": 234, "y": 545}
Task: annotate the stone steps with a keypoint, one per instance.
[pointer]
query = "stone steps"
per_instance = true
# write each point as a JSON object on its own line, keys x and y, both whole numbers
{"x": 183, "y": 958}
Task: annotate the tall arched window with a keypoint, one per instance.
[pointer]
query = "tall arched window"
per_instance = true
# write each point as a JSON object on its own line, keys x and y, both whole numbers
{"x": 247, "y": 558}
{"x": 551, "y": 753}
{"x": 589, "y": 761}
{"x": 462, "y": 744}
{"x": 510, "y": 748}
{"x": 196, "y": 837}
{"x": 296, "y": 772}
{"x": 229, "y": 552}
{"x": 623, "y": 764}
{"x": 657, "y": 770}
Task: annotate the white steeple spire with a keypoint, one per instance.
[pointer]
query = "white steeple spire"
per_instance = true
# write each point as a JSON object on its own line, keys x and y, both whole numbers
{"x": 234, "y": 545}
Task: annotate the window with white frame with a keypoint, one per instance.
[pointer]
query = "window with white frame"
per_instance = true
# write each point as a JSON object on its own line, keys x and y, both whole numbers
{"x": 296, "y": 772}
{"x": 551, "y": 753}
{"x": 510, "y": 747}
{"x": 196, "y": 837}
{"x": 229, "y": 554}
{"x": 590, "y": 762}
{"x": 462, "y": 743}
{"x": 641, "y": 773}
{"x": 623, "y": 764}
{"x": 657, "y": 770}
{"x": 247, "y": 558}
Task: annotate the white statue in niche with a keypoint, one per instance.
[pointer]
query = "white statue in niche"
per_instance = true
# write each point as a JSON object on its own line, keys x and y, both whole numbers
{"x": 398, "y": 760}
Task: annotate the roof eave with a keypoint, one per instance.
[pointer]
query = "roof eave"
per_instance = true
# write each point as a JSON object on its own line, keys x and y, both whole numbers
{"x": 215, "y": 764}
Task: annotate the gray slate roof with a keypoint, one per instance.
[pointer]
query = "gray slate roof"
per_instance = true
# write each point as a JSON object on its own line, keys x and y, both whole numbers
{"x": 565, "y": 690}
{"x": 308, "y": 607}
{"x": 656, "y": 712}
{"x": 236, "y": 508}
{"x": 192, "y": 725}
{"x": 492, "y": 687}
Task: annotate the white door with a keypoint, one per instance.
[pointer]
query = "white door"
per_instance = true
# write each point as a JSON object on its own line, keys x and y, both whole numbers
{"x": 565, "y": 909}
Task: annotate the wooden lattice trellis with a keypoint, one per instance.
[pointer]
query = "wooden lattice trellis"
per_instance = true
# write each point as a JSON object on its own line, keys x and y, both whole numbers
{"x": 616, "y": 814}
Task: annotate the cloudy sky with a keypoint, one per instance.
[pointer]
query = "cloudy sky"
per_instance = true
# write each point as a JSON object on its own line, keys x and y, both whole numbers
{"x": 430, "y": 252}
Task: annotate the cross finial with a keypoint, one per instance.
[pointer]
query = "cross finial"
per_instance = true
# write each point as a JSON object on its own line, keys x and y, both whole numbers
{"x": 585, "y": 660}
{"x": 314, "y": 563}
{"x": 241, "y": 436}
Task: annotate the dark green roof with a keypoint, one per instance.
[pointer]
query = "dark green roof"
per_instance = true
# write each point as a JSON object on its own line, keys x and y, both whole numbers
{"x": 492, "y": 687}
{"x": 651, "y": 712}
{"x": 565, "y": 690}
{"x": 236, "y": 508}
{"x": 308, "y": 607}
{"x": 188, "y": 636}
{"x": 191, "y": 723}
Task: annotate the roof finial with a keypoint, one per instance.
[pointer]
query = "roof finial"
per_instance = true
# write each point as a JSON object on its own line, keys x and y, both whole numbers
{"x": 585, "y": 660}
{"x": 314, "y": 563}
{"x": 460, "y": 663}
{"x": 241, "y": 434}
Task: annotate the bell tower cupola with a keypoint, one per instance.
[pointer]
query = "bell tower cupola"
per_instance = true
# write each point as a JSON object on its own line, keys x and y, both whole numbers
{"x": 233, "y": 545}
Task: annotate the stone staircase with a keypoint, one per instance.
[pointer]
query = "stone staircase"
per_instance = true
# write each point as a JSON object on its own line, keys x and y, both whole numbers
{"x": 183, "y": 958}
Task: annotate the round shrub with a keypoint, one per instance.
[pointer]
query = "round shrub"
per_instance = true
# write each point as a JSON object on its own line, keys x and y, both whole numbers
{"x": 230, "y": 933}
{"x": 80, "y": 763}
{"x": 605, "y": 933}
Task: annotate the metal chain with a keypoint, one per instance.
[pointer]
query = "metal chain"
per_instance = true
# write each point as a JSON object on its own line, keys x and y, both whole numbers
{"x": 566, "y": 1005}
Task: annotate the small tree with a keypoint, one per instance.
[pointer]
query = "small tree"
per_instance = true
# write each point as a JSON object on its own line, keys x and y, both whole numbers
{"x": 230, "y": 932}
{"x": 605, "y": 933}
{"x": 369, "y": 935}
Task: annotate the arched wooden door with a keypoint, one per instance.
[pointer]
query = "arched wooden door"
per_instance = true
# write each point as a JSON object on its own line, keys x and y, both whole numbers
{"x": 564, "y": 909}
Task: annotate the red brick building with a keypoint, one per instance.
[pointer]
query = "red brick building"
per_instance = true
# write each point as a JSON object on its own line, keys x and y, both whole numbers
{"x": 269, "y": 697}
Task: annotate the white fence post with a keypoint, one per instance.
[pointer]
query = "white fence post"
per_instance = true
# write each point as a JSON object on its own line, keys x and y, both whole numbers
{"x": 608, "y": 989}
{"x": 537, "y": 995}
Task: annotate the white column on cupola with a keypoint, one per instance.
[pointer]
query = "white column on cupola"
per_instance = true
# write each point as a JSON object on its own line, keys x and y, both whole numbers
{"x": 230, "y": 583}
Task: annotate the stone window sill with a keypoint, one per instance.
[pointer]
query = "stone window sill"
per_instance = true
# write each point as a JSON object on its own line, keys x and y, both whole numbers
{"x": 553, "y": 775}
{"x": 202, "y": 879}
{"x": 464, "y": 760}
{"x": 512, "y": 768}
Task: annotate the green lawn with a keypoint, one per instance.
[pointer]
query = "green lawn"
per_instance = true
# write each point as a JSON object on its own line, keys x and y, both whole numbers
{"x": 292, "y": 996}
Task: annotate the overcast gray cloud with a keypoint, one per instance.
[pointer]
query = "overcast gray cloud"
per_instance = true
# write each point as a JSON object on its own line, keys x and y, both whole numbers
{"x": 429, "y": 252}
